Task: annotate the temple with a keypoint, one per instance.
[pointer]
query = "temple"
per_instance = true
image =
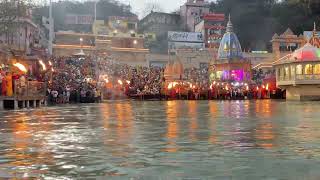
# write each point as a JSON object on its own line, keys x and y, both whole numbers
{"x": 299, "y": 73}
{"x": 230, "y": 65}
{"x": 315, "y": 39}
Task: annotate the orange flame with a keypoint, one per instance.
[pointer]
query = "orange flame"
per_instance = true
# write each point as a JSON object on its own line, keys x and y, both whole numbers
{"x": 21, "y": 67}
{"x": 43, "y": 65}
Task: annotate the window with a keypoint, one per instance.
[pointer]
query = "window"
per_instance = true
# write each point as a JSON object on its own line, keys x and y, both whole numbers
{"x": 299, "y": 69}
{"x": 308, "y": 69}
{"x": 131, "y": 26}
{"x": 286, "y": 73}
{"x": 281, "y": 73}
{"x": 293, "y": 71}
{"x": 316, "y": 69}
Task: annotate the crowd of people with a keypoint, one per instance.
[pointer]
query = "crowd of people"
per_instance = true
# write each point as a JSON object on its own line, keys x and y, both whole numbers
{"x": 88, "y": 79}
{"x": 72, "y": 79}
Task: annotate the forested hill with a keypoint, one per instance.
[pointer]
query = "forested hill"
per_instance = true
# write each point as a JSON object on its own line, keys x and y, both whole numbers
{"x": 255, "y": 21}
{"x": 61, "y": 9}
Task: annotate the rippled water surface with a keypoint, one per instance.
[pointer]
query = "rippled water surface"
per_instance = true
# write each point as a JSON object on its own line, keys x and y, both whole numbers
{"x": 163, "y": 140}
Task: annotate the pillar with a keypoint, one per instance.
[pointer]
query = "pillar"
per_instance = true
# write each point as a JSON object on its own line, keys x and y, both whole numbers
{"x": 16, "y": 104}
{"x": 27, "y": 104}
{"x": 1, "y": 104}
{"x": 24, "y": 104}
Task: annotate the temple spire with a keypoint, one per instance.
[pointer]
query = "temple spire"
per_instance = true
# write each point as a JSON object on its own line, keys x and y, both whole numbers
{"x": 229, "y": 25}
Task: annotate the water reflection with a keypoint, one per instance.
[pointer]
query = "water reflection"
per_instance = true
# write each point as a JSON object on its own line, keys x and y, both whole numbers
{"x": 172, "y": 126}
{"x": 193, "y": 116}
{"x": 153, "y": 140}
{"x": 213, "y": 113}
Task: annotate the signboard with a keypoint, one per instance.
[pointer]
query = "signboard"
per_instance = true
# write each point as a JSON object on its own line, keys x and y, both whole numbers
{"x": 185, "y": 45}
{"x": 185, "y": 36}
{"x": 79, "y": 19}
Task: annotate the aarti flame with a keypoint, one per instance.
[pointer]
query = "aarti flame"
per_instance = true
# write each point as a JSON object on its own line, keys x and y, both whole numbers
{"x": 43, "y": 65}
{"x": 21, "y": 67}
{"x": 120, "y": 82}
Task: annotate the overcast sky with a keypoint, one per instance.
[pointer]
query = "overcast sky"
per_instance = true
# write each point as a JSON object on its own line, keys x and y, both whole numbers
{"x": 138, "y": 6}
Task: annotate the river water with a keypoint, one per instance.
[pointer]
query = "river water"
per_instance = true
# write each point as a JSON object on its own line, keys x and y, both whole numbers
{"x": 163, "y": 140}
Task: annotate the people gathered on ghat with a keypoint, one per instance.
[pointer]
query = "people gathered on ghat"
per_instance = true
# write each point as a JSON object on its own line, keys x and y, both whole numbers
{"x": 88, "y": 79}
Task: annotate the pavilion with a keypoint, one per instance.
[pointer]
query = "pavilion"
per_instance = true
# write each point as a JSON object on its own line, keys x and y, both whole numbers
{"x": 299, "y": 73}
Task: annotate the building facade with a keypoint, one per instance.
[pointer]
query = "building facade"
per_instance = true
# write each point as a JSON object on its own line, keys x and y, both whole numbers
{"x": 212, "y": 27}
{"x": 190, "y": 11}
{"x": 286, "y": 43}
{"x": 159, "y": 24}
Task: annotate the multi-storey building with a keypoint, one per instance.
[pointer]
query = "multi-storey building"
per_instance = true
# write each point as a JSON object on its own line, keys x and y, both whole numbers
{"x": 212, "y": 27}
{"x": 190, "y": 11}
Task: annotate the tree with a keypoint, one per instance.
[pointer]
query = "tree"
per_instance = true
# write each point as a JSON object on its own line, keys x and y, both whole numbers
{"x": 151, "y": 7}
{"x": 10, "y": 12}
{"x": 256, "y": 21}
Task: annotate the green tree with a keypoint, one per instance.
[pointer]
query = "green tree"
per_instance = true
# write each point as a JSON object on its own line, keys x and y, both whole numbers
{"x": 256, "y": 21}
{"x": 10, "y": 12}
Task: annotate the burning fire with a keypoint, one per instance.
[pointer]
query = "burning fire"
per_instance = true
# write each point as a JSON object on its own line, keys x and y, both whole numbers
{"x": 128, "y": 82}
{"x": 43, "y": 65}
{"x": 21, "y": 67}
{"x": 50, "y": 63}
{"x": 120, "y": 82}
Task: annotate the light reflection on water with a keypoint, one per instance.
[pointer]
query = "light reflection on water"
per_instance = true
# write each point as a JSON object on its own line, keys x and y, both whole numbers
{"x": 163, "y": 140}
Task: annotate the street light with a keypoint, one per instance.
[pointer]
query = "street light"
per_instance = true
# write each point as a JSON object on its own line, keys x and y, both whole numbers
{"x": 135, "y": 42}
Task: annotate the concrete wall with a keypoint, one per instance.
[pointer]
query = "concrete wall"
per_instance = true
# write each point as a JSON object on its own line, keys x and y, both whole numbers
{"x": 303, "y": 92}
{"x": 130, "y": 58}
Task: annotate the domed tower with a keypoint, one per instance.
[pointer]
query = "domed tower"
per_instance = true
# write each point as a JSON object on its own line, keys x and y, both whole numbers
{"x": 230, "y": 47}
{"x": 230, "y": 65}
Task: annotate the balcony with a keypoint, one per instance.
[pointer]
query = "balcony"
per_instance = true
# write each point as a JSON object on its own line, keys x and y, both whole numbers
{"x": 298, "y": 80}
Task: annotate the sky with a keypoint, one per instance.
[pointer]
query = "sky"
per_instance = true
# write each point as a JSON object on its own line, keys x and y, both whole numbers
{"x": 138, "y": 6}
